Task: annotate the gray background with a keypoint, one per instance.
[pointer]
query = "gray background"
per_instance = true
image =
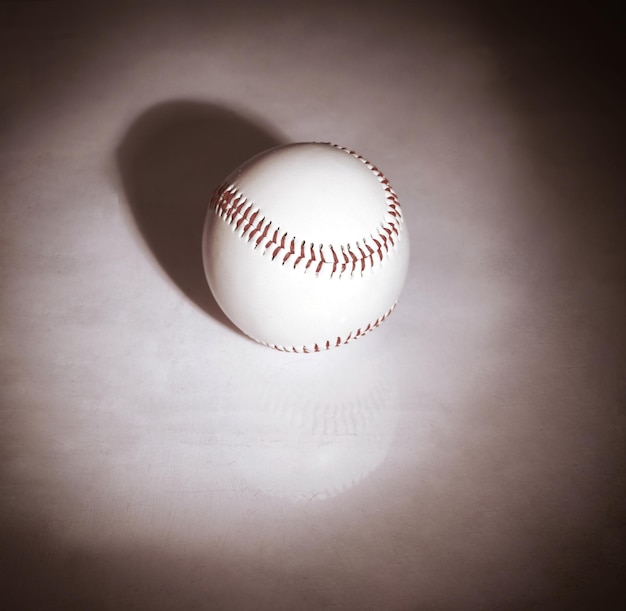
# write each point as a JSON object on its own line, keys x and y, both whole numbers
{"x": 468, "y": 455}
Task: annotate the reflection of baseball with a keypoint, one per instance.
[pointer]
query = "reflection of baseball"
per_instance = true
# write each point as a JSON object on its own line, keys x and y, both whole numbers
{"x": 305, "y": 247}
{"x": 314, "y": 430}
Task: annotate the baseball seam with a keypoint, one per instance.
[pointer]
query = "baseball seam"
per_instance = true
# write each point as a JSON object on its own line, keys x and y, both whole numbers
{"x": 326, "y": 345}
{"x": 242, "y": 215}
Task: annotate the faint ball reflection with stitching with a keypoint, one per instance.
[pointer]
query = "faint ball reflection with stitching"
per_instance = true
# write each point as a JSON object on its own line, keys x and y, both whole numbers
{"x": 318, "y": 429}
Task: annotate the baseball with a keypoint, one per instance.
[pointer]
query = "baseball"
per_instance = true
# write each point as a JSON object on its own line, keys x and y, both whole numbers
{"x": 305, "y": 247}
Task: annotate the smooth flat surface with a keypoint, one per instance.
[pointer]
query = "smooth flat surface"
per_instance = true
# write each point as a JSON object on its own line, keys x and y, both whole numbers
{"x": 468, "y": 455}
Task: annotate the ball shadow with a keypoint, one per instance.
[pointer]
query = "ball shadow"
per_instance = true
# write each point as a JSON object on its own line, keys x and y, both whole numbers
{"x": 169, "y": 161}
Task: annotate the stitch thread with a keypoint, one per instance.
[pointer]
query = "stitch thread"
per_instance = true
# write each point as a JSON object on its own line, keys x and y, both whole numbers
{"x": 327, "y": 344}
{"x": 237, "y": 211}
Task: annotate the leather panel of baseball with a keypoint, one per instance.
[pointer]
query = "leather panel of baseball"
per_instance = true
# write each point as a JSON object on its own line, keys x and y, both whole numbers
{"x": 305, "y": 248}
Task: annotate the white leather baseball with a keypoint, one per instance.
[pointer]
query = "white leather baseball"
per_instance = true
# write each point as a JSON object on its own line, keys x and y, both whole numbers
{"x": 305, "y": 247}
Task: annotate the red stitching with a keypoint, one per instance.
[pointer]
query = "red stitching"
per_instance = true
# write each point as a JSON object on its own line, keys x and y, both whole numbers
{"x": 328, "y": 344}
{"x": 301, "y": 256}
{"x": 235, "y": 209}
{"x": 264, "y": 234}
